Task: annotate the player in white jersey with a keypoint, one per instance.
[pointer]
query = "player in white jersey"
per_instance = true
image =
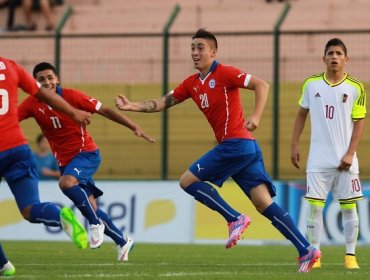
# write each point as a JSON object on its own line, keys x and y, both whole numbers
{"x": 337, "y": 106}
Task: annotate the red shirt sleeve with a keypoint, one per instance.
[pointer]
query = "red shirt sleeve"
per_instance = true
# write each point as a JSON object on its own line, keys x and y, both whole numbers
{"x": 25, "y": 109}
{"x": 26, "y": 82}
{"x": 182, "y": 92}
{"x": 234, "y": 77}
{"x": 80, "y": 100}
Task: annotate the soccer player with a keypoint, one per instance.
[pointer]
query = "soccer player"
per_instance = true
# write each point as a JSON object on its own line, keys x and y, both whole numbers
{"x": 6, "y": 267}
{"x": 17, "y": 166}
{"x": 77, "y": 153}
{"x": 337, "y": 105}
{"x": 215, "y": 90}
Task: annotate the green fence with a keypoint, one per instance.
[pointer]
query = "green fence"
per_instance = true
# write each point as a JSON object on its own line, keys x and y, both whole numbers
{"x": 104, "y": 65}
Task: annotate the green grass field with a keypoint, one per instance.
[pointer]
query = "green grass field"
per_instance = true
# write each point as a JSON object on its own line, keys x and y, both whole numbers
{"x": 60, "y": 260}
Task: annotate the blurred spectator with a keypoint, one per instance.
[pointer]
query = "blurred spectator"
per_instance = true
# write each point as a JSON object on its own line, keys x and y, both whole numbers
{"x": 10, "y": 5}
{"x": 46, "y": 163}
{"x": 45, "y": 6}
{"x": 270, "y": 1}
{"x": 28, "y": 6}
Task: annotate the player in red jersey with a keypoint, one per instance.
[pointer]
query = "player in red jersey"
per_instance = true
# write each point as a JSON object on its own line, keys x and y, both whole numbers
{"x": 215, "y": 90}
{"x": 16, "y": 161}
{"x": 77, "y": 153}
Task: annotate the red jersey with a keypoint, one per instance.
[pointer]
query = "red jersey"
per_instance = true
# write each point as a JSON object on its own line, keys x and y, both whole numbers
{"x": 66, "y": 138}
{"x": 12, "y": 76}
{"x": 218, "y": 97}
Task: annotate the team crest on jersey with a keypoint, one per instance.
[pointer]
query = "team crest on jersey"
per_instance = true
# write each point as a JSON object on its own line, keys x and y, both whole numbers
{"x": 345, "y": 97}
{"x": 212, "y": 83}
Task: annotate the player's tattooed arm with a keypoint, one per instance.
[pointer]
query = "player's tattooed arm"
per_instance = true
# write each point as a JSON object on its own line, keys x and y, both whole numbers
{"x": 147, "y": 106}
{"x": 169, "y": 100}
{"x": 157, "y": 105}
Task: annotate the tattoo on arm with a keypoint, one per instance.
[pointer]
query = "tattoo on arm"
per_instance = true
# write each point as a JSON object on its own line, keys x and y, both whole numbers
{"x": 148, "y": 106}
{"x": 165, "y": 102}
{"x": 169, "y": 100}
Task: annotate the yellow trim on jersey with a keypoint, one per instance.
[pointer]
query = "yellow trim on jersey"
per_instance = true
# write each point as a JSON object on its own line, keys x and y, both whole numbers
{"x": 333, "y": 85}
{"x": 359, "y": 107}
{"x": 308, "y": 80}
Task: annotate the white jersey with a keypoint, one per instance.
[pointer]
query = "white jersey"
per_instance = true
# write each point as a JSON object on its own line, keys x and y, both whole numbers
{"x": 333, "y": 109}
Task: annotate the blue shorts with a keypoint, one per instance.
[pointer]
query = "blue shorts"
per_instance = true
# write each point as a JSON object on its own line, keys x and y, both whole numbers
{"x": 240, "y": 159}
{"x": 83, "y": 167}
{"x": 19, "y": 170}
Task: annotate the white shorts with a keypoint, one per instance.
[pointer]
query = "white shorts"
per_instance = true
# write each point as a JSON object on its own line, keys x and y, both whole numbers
{"x": 344, "y": 185}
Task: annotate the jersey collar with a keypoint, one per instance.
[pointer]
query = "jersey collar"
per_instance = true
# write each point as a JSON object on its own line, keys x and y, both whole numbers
{"x": 333, "y": 85}
{"x": 213, "y": 68}
{"x": 214, "y": 65}
{"x": 59, "y": 90}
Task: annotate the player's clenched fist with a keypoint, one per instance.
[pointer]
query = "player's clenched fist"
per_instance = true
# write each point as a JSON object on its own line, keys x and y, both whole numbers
{"x": 122, "y": 103}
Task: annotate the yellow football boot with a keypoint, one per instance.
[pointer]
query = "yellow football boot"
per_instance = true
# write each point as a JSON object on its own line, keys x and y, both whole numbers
{"x": 350, "y": 262}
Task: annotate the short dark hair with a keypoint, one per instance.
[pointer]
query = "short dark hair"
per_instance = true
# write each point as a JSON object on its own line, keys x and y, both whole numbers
{"x": 43, "y": 66}
{"x": 335, "y": 42}
{"x": 202, "y": 33}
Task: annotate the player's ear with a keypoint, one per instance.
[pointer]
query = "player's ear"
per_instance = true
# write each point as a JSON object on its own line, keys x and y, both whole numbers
{"x": 214, "y": 51}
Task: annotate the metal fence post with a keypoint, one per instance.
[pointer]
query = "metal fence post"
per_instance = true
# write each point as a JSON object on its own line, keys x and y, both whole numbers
{"x": 57, "y": 36}
{"x": 164, "y": 169}
{"x": 275, "y": 115}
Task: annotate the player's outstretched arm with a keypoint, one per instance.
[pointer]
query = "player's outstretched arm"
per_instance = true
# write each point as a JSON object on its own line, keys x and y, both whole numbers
{"x": 125, "y": 121}
{"x": 147, "y": 106}
{"x": 58, "y": 103}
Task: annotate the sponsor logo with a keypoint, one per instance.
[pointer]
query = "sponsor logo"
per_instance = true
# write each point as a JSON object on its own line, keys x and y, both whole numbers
{"x": 199, "y": 168}
{"x": 78, "y": 171}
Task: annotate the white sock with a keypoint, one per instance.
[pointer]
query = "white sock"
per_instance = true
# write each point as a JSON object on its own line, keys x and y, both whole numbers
{"x": 315, "y": 223}
{"x": 350, "y": 228}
